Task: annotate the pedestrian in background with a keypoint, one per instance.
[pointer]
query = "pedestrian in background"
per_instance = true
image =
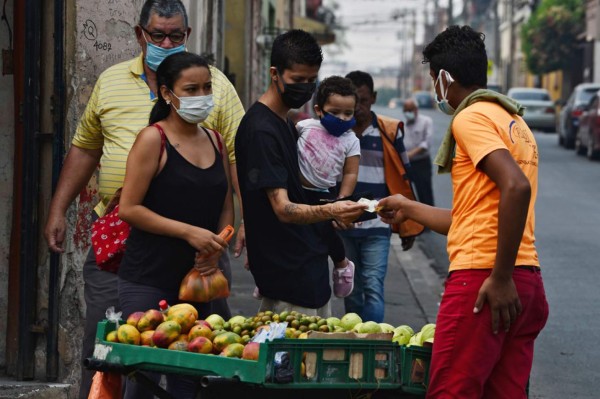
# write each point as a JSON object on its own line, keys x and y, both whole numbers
{"x": 368, "y": 244}
{"x": 418, "y": 134}
{"x": 286, "y": 251}
{"x": 118, "y": 109}
{"x": 494, "y": 304}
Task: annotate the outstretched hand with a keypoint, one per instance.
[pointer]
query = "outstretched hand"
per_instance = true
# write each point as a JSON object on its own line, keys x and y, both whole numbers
{"x": 392, "y": 209}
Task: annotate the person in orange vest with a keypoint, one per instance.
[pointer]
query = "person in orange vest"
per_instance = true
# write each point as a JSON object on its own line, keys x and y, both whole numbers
{"x": 383, "y": 170}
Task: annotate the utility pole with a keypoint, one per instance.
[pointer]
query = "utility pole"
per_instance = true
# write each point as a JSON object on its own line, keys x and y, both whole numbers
{"x": 450, "y": 13}
{"x": 511, "y": 57}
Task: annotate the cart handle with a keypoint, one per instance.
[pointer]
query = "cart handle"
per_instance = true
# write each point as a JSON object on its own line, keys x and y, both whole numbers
{"x": 208, "y": 380}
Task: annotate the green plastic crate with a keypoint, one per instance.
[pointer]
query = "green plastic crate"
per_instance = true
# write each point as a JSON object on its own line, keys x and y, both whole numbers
{"x": 336, "y": 363}
{"x": 329, "y": 363}
{"x": 415, "y": 369}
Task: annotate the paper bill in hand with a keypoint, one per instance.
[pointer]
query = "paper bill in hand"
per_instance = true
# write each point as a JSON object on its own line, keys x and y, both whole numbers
{"x": 371, "y": 205}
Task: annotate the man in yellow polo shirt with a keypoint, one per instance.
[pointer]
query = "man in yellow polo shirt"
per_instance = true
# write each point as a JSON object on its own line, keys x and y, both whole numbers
{"x": 118, "y": 109}
{"x": 494, "y": 304}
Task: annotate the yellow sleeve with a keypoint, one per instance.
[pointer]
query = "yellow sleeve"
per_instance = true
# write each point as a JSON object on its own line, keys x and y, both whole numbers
{"x": 228, "y": 111}
{"x": 89, "y": 130}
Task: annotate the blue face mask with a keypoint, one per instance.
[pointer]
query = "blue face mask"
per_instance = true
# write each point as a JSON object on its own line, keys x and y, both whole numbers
{"x": 155, "y": 54}
{"x": 336, "y": 126}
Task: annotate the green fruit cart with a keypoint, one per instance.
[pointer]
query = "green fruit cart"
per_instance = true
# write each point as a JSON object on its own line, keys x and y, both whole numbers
{"x": 285, "y": 368}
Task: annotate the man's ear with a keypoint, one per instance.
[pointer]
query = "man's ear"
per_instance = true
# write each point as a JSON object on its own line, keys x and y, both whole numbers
{"x": 273, "y": 73}
{"x": 374, "y": 97}
{"x": 138, "y": 34}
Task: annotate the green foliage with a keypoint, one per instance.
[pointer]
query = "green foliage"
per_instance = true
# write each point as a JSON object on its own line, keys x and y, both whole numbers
{"x": 549, "y": 37}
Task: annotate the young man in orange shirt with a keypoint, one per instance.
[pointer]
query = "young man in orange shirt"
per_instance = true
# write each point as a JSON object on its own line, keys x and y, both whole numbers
{"x": 494, "y": 304}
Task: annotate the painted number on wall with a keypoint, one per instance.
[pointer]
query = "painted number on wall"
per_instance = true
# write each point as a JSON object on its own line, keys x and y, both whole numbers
{"x": 102, "y": 46}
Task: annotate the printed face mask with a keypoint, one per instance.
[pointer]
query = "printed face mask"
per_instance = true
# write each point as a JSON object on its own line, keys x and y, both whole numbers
{"x": 296, "y": 95}
{"x": 155, "y": 54}
{"x": 194, "y": 109}
{"x": 443, "y": 103}
{"x": 336, "y": 126}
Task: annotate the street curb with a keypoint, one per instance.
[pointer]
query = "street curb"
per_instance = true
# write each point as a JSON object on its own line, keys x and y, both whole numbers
{"x": 426, "y": 285}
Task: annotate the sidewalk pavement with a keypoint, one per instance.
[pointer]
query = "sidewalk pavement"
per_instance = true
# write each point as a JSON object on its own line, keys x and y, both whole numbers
{"x": 412, "y": 288}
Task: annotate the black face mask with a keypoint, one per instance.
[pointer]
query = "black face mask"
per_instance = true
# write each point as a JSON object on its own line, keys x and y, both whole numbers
{"x": 296, "y": 95}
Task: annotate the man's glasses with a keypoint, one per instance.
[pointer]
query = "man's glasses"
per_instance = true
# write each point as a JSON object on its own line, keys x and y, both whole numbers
{"x": 158, "y": 37}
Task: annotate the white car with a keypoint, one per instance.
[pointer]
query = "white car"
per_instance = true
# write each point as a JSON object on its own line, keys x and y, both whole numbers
{"x": 540, "y": 110}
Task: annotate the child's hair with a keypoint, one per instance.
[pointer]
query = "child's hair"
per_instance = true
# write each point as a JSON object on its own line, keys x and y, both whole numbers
{"x": 460, "y": 51}
{"x": 167, "y": 74}
{"x": 360, "y": 78}
{"x": 335, "y": 85}
{"x": 295, "y": 47}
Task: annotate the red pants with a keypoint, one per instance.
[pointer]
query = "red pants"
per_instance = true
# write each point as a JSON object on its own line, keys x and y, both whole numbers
{"x": 468, "y": 360}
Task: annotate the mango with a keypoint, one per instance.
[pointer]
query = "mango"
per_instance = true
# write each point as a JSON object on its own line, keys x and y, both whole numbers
{"x": 134, "y": 318}
{"x": 185, "y": 317}
{"x": 112, "y": 336}
{"x": 233, "y": 350}
{"x": 216, "y": 322}
{"x": 178, "y": 346}
{"x": 179, "y": 306}
{"x": 251, "y": 351}
{"x": 199, "y": 330}
{"x": 146, "y": 338}
{"x": 150, "y": 320}
{"x": 166, "y": 333}
{"x": 225, "y": 339}
{"x": 200, "y": 345}
{"x": 128, "y": 334}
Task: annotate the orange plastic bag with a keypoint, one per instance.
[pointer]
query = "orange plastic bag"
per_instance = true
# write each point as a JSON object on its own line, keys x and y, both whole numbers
{"x": 105, "y": 386}
{"x": 198, "y": 288}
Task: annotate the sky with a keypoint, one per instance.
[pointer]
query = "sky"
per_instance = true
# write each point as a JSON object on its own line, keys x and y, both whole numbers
{"x": 373, "y": 38}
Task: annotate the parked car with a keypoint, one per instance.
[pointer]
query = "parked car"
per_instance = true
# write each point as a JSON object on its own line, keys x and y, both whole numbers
{"x": 587, "y": 139}
{"x": 540, "y": 112}
{"x": 568, "y": 119}
{"x": 424, "y": 99}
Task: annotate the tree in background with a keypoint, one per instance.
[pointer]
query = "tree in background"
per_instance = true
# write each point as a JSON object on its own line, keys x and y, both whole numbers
{"x": 550, "y": 36}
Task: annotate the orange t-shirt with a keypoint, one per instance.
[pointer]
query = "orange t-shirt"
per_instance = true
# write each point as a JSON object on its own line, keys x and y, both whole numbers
{"x": 480, "y": 129}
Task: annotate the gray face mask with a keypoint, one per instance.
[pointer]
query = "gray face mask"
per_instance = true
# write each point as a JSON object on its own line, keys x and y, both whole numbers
{"x": 410, "y": 116}
{"x": 194, "y": 109}
{"x": 443, "y": 103}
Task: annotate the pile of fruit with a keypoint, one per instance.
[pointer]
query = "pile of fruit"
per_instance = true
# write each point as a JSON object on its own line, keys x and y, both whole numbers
{"x": 178, "y": 328}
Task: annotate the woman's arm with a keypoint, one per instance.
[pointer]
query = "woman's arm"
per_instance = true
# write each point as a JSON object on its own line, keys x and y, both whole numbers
{"x": 142, "y": 166}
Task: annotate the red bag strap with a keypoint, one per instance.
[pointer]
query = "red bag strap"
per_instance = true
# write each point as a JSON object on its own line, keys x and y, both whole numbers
{"x": 163, "y": 140}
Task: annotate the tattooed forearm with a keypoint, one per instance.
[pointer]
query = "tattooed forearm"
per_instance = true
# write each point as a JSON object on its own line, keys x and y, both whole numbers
{"x": 290, "y": 212}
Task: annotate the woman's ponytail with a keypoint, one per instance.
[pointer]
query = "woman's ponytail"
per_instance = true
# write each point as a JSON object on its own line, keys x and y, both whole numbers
{"x": 160, "y": 111}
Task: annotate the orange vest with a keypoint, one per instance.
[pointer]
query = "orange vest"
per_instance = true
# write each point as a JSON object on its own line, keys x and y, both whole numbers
{"x": 396, "y": 178}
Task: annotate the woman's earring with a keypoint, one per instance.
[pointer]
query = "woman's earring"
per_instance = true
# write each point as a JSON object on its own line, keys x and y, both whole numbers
{"x": 168, "y": 102}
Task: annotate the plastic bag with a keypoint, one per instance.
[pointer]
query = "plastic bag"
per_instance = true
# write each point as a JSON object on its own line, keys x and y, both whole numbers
{"x": 105, "y": 386}
{"x": 198, "y": 288}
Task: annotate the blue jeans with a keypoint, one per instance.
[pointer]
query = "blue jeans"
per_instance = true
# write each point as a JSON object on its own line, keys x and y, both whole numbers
{"x": 370, "y": 257}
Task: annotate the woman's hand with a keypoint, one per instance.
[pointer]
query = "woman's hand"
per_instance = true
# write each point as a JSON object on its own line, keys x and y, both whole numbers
{"x": 207, "y": 264}
{"x": 204, "y": 241}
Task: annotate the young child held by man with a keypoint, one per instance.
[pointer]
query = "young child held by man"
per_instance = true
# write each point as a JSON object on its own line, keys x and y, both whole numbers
{"x": 328, "y": 154}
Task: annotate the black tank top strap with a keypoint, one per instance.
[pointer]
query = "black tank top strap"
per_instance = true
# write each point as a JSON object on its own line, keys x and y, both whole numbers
{"x": 220, "y": 150}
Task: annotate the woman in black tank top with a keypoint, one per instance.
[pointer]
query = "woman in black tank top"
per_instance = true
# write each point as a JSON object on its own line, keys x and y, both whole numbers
{"x": 176, "y": 196}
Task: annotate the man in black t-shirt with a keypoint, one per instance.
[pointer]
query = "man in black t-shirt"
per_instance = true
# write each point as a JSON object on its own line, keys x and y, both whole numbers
{"x": 286, "y": 253}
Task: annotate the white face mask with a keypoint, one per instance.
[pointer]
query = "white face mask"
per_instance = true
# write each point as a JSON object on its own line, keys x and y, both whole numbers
{"x": 443, "y": 103}
{"x": 410, "y": 116}
{"x": 194, "y": 109}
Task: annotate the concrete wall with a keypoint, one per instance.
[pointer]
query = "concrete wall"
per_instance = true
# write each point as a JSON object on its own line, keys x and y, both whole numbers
{"x": 6, "y": 176}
